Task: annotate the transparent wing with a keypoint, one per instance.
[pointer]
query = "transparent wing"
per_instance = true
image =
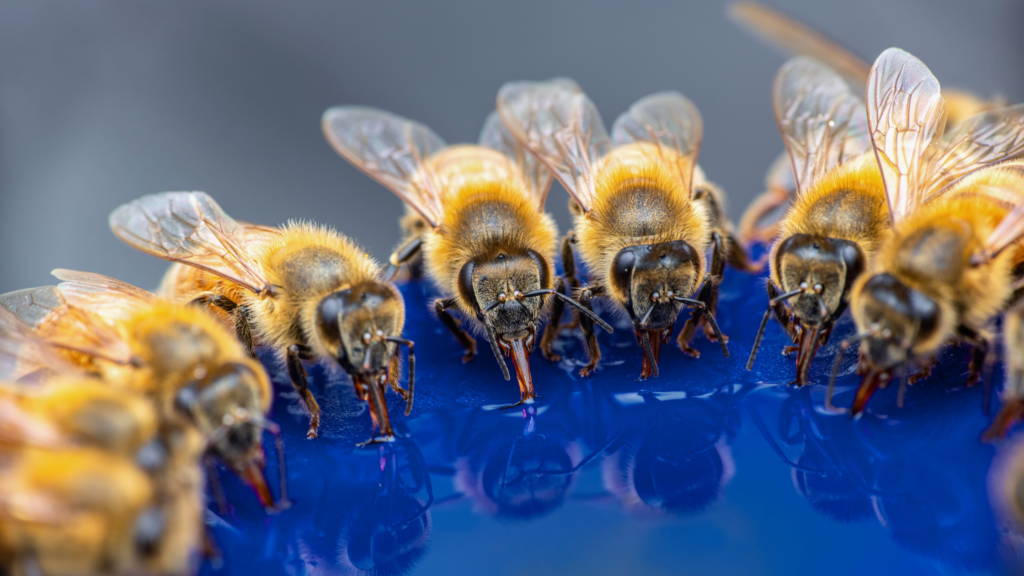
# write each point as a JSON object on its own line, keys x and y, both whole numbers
{"x": 822, "y": 123}
{"x": 558, "y": 123}
{"x": 102, "y": 295}
{"x": 52, "y": 319}
{"x": 982, "y": 140}
{"x": 906, "y": 117}
{"x": 797, "y": 39}
{"x": 191, "y": 228}
{"x": 497, "y": 137}
{"x": 391, "y": 150}
{"x": 669, "y": 121}
{"x": 22, "y": 352}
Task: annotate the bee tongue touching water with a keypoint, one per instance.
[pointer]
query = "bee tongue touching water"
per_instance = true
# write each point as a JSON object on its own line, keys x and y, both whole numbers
{"x": 252, "y": 473}
{"x": 519, "y": 350}
{"x": 650, "y": 342}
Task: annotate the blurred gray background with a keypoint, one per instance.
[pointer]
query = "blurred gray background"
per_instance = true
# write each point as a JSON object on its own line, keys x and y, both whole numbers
{"x": 103, "y": 101}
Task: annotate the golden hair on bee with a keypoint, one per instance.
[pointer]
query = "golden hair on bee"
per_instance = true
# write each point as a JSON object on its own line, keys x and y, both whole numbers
{"x": 947, "y": 268}
{"x": 487, "y": 243}
{"x": 760, "y": 221}
{"x": 646, "y": 215}
{"x": 304, "y": 290}
{"x": 182, "y": 359}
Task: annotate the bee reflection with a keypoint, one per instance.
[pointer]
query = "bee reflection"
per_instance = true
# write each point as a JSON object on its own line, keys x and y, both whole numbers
{"x": 367, "y": 512}
{"x": 898, "y": 471}
{"x": 678, "y": 460}
{"x": 521, "y": 465}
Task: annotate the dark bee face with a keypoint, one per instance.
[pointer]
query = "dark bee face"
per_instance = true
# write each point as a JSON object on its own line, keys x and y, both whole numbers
{"x": 526, "y": 479}
{"x": 897, "y": 316}
{"x": 824, "y": 268}
{"x": 227, "y": 408}
{"x": 651, "y": 275}
{"x": 353, "y": 323}
{"x": 499, "y": 289}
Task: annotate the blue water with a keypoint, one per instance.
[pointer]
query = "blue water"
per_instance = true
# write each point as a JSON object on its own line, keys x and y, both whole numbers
{"x": 708, "y": 469}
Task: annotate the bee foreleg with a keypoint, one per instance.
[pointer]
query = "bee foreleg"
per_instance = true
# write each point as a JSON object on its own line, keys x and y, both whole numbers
{"x": 454, "y": 326}
{"x": 402, "y": 255}
{"x": 240, "y": 314}
{"x": 547, "y": 340}
{"x": 297, "y": 372}
{"x": 718, "y": 259}
{"x": 709, "y": 296}
{"x": 569, "y": 267}
{"x": 593, "y": 349}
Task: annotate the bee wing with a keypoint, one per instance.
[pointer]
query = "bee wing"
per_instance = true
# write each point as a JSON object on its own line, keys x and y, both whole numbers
{"x": 497, "y": 137}
{"x": 981, "y": 140}
{"x": 63, "y": 325}
{"x": 822, "y": 123}
{"x": 906, "y": 117}
{"x": 23, "y": 353}
{"x": 191, "y": 228}
{"x": 105, "y": 296}
{"x": 391, "y": 150}
{"x": 558, "y": 123}
{"x": 669, "y": 121}
{"x": 799, "y": 39}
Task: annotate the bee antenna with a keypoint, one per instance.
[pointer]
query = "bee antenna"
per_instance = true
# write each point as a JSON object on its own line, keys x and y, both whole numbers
{"x": 491, "y": 306}
{"x": 412, "y": 368}
{"x": 492, "y": 336}
{"x": 581, "y": 308}
{"x": 643, "y": 321}
{"x": 757, "y": 339}
{"x": 764, "y": 324}
{"x": 368, "y": 356}
{"x": 709, "y": 318}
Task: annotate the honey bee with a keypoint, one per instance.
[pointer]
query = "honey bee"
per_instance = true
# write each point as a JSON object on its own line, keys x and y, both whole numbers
{"x": 646, "y": 215}
{"x": 489, "y": 246}
{"x": 304, "y": 290}
{"x": 839, "y": 215}
{"x": 181, "y": 358}
{"x": 760, "y": 221}
{"x": 948, "y": 267}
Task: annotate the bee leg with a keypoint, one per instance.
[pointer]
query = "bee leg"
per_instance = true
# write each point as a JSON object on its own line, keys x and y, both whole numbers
{"x": 402, "y": 255}
{"x": 547, "y": 340}
{"x": 980, "y": 344}
{"x": 393, "y": 368}
{"x": 781, "y": 314}
{"x": 683, "y": 341}
{"x": 454, "y": 326}
{"x": 569, "y": 266}
{"x": 718, "y": 259}
{"x": 787, "y": 350}
{"x": 297, "y": 372}
{"x": 593, "y": 349}
{"x": 240, "y": 314}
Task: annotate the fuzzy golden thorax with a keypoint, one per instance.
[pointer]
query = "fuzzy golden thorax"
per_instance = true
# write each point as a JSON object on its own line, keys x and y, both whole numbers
{"x": 304, "y": 264}
{"x": 495, "y": 225}
{"x": 829, "y": 237}
{"x": 99, "y": 498}
{"x": 641, "y": 201}
{"x": 90, "y": 412}
{"x": 923, "y": 285}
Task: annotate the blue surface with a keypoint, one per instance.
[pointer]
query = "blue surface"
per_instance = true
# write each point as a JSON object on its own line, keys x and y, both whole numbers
{"x": 708, "y": 469}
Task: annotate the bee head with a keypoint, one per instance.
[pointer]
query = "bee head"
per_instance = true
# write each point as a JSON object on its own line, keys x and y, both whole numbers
{"x": 650, "y": 276}
{"x": 226, "y": 405}
{"x": 893, "y": 318}
{"x": 821, "y": 270}
{"x": 508, "y": 292}
{"x": 358, "y": 327}
{"x": 526, "y": 478}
